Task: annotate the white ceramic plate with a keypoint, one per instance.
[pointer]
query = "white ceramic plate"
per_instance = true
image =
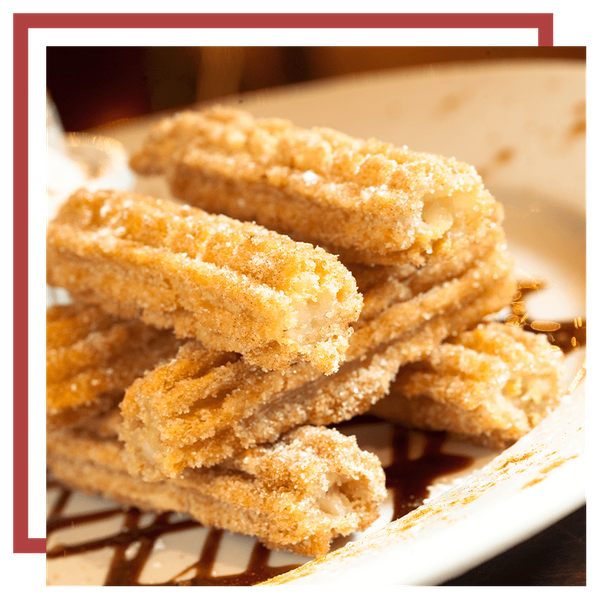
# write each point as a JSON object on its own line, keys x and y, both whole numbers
{"x": 523, "y": 127}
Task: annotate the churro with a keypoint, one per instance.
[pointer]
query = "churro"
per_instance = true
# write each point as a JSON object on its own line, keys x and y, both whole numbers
{"x": 367, "y": 201}
{"x": 92, "y": 357}
{"x": 489, "y": 385}
{"x": 198, "y": 410}
{"x": 234, "y": 286}
{"x": 298, "y": 494}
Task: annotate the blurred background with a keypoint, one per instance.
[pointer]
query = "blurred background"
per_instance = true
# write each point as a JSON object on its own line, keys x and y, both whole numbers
{"x": 95, "y": 86}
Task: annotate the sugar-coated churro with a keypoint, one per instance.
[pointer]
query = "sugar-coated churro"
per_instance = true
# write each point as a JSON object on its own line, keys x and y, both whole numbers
{"x": 91, "y": 358}
{"x": 489, "y": 385}
{"x": 368, "y": 201}
{"x": 298, "y": 494}
{"x": 234, "y": 286}
{"x": 199, "y": 409}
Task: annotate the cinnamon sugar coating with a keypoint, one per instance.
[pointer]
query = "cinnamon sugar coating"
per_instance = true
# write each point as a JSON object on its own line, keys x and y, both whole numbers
{"x": 276, "y": 338}
{"x": 92, "y": 357}
{"x": 207, "y": 405}
{"x": 298, "y": 494}
{"x": 395, "y": 305}
{"x": 234, "y": 286}
{"x": 489, "y": 385}
{"x": 366, "y": 200}
{"x": 202, "y": 406}
{"x": 196, "y": 412}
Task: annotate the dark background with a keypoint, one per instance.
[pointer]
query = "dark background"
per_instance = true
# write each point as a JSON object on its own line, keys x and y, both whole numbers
{"x": 95, "y": 85}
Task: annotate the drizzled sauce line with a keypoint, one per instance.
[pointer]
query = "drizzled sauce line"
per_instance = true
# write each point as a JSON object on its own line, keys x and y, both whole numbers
{"x": 410, "y": 479}
{"x": 134, "y": 544}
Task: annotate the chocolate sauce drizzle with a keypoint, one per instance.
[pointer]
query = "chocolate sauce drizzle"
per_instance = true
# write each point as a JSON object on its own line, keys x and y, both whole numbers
{"x": 410, "y": 479}
{"x": 134, "y": 543}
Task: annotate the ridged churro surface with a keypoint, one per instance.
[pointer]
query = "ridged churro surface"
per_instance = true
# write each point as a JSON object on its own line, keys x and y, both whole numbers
{"x": 366, "y": 200}
{"x": 394, "y": 305}
{"x": 91, "y": 358}
{"x": 491, "y": 385}
{"x": 206, "y": 405}
{"x": 200, "y": 409}
{"x": 234, "y": 286}
{"x": 202, "y": 406}
{"x": 298, "y": 494}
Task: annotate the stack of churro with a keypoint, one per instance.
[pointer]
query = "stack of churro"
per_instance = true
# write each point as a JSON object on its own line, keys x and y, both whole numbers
{"x": 187, "y": 315}
{"x": 203, "y": 354}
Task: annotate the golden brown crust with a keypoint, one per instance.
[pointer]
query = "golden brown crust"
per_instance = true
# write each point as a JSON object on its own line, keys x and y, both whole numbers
{"x": 367, "y": 201}
{"x": 393, "y": 306}
{"x": 210, "y": 431}
{"x": 92, "y": 357}
{"x": 234, "y": 286}
{"x": 203, "y": 406}
{"x": 298, "y": 494}
{"x": 490, "y": 385}
{"x": 196, "y": 412}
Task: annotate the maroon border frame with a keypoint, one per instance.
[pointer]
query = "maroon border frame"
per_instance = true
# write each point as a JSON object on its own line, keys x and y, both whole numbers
{"x": 23, "y": 23}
